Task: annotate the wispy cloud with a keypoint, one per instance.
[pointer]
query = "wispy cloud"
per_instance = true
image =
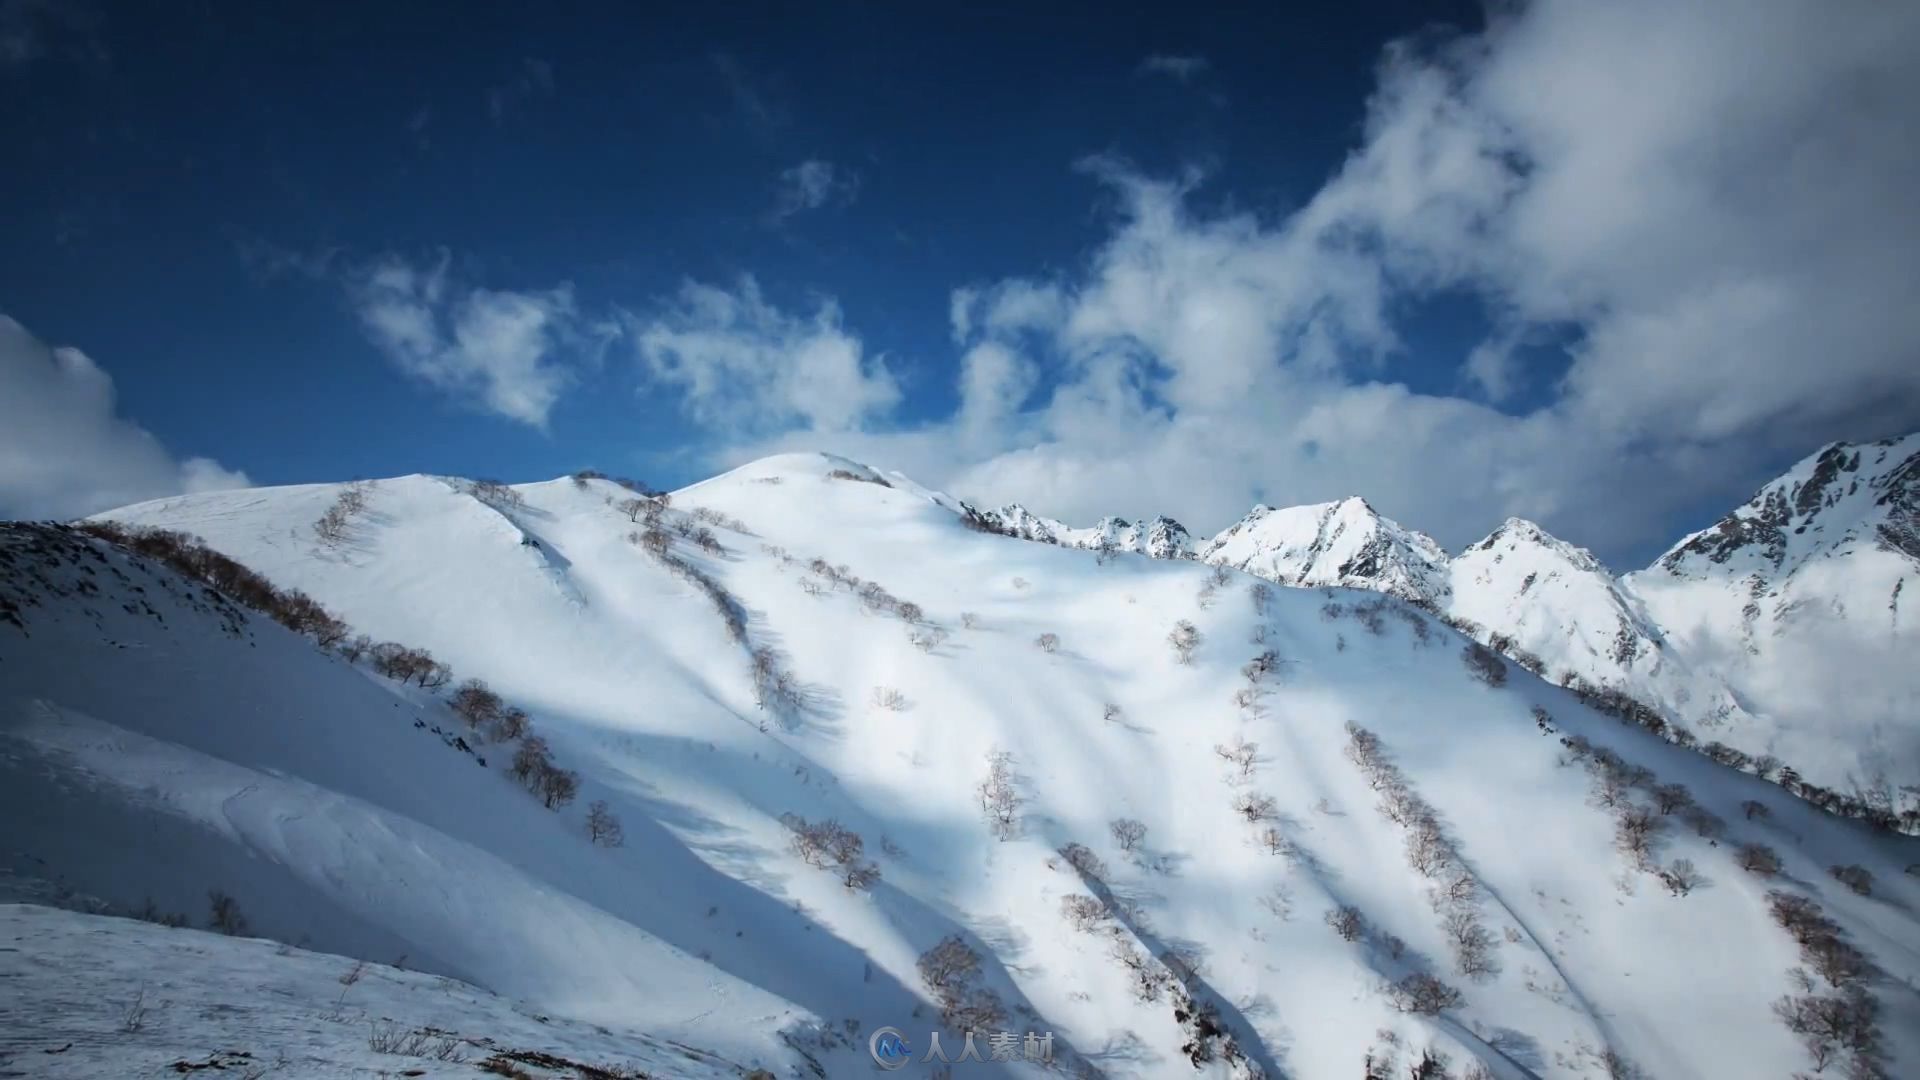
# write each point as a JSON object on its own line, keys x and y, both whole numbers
{"x": 754, "y": 104}
{"x": 64, "y": 449}
{"x": 510, "y": 353}
{"x": 533, "y": 78}
{"x": 1178, "y": 68}
{"x": 812, "y": 185}
{"x": 741, "y": 364}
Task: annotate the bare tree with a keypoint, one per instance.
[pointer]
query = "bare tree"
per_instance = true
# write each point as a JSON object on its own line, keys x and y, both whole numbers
{"x": 1048, "y": 642}
{"x": 970, "y": 620}
{"x": 1110, "y": 713}
{"x": 1633, "y": 834}
{"x": 1240, "y": 754}
{"x": 1260, "y": 594}
{"x": 603, "y": 828}
{"x": 1680, "y": 877}
{"x": 355, "y": 647}
{"x": 1668, "y": 798}
{"x": 1185, "y": 638}
{"x": 224, "y": 914}
{"x": 633, "y": 508}
{"x": 1273, "y": 840}
{"x": 473, "y": 702}
{"x": 927, "y": 638}
{"x": 512, "y": 723}
{"x": 1423, "y": 994}
{"x": 1254, "y": 807}
{"x": 1857, "y": 878}
{"x": 1127, "y": 832}
{"x": 1347, "y": 921}
{"x": 999, "y": 797}
{"x": 1753, "y": 808}
{"x": 886, "y": 697}
{"x": 557, "y": 786}
{"x": 1759, "y": 860}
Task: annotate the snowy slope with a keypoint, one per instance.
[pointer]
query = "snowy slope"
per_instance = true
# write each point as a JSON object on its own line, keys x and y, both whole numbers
{"x": 91, "y": 996}
{"x": 629, "y": 670}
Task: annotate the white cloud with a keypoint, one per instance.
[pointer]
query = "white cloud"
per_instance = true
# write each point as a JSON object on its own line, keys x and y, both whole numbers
{"x": 1179, "y": 68}
{"x": 740, "y": 362}
{"x": 64, "y": 451}
{"x": 1711, "y": 202}
{"x": 811, "y": 185}
{"x": 503, "y": 352}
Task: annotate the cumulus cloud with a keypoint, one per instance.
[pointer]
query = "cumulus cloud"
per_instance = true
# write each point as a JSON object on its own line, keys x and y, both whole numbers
{"x": 811, "y": 185}
{"x": 64, "y": 449}
{"x": 1178, "y": 68}
{"x": 740, "y": 362}
{"x": 504, "y": 352}
{"x": 1710, "y": 204}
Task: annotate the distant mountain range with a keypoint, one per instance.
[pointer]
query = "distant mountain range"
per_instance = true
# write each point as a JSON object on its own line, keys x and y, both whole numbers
{"x": 1775, "y": 636}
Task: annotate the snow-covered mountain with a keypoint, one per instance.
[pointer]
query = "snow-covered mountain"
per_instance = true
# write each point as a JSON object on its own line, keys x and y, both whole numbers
{"x": 1180, "y": 820}
{"x": 1161, "y": 538}
{"x": 1343, "y": 543}
{"x": 1776, "y": 634}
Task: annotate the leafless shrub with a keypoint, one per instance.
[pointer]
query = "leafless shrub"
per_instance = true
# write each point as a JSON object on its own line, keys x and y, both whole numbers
{"x": 150, "y": 912}
{"x": 332, "y": 526}
{"x": 496, "y": 494}
{"x": 1083, "y": 912}
{"x": 1759, "y": 860}
{"x": 1484, "y": 664}
{"x": 603, "y": 828}
{"x": 1857, "y": 878}
{"x": 224, "y": 914}
{"x": 1111, "y": 713}
{"x": 1347, "y": 921}
{"x": 1422, "y": 994}
{"x": 1127, "y": 832}
{"x": 864, "y": 478}
{"x": 1083, "y": 860}
{"x": 1753, "y": 808}
{"x": 1279, "y": 901}
{"x": 926, "y": 638}
{"x": 889, "y": 698}
{"x": 134, "y": 1016}
{"x": 1047, "y": 642}
{"x": 970, "y": 620}
{"x": 1273, "y": 840}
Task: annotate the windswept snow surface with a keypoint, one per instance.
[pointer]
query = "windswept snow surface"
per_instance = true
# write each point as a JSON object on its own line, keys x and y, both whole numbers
{"x": 90, "y": 997}
{"x": 299, "y": 784}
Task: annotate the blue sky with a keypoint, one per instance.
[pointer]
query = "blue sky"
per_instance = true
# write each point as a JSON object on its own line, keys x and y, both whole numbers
{"x": 1096, "y": 262}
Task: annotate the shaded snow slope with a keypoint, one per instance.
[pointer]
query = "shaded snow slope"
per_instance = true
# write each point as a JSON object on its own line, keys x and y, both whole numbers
{"x": 629, "y": 670}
